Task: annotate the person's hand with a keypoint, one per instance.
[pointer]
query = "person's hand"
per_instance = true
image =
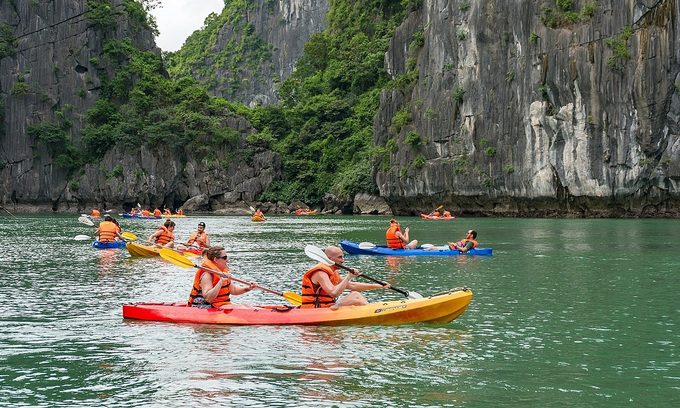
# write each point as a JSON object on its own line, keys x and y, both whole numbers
{"x": 355, "y": 272}
{"x": 406, "y": 229}
{"x": 252, "y": 285}
{"x": 387, "y": 286}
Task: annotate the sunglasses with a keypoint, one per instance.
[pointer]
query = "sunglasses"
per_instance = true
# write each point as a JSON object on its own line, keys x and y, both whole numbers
{"x": 222, "y": 257}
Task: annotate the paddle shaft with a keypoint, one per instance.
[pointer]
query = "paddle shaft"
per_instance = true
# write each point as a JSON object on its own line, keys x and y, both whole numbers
{"x": 403, "y": 292}
{"x": 435, "y": 209}
{"x": 230, "y": 276}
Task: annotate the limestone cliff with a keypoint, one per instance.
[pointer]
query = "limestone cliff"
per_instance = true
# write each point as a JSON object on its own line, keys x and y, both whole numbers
{"x": 51, "y": 73}
{"x": 254, "y": 48}
{"x": 522, "y": 107}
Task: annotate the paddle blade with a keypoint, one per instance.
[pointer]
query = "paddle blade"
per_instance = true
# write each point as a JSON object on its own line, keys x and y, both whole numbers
{"x": 84, "y": 220}
{"x": 366, "y": 245}
{"x": 414, "y": 295}
{"x": 252, "y": 209}
{"x": 82, "y": 238}
{"x": 317, "y": 254}
{"x": 129, "y": 236}
{"x": 293, "y": 298}
{"x": 177, "y": 258}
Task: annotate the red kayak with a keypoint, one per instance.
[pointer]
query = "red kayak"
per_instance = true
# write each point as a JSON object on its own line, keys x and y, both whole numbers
{"x": 440, "y": 308}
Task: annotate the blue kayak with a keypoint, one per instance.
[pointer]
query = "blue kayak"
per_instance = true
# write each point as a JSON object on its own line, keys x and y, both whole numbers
{"x": 368, "y": 249}
{"x": 108, "y": 245}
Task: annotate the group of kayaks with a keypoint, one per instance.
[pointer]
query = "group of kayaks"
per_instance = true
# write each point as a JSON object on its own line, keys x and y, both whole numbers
{"x": 441, "y": 307}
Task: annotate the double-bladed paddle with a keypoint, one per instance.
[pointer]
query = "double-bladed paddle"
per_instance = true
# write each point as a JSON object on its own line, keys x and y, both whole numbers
{"x": 319, "y": 255}
{"x": 181, "y": 260}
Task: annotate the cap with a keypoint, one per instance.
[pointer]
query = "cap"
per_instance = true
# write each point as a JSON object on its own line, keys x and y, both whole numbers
{"x": 201, "y": 224}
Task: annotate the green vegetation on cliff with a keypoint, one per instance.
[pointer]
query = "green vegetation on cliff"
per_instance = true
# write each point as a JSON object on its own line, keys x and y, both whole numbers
{"x": 323, "y": 126}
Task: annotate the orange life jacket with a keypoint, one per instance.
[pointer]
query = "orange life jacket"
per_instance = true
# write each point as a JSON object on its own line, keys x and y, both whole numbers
{"x": 436, "y": 214}
{"x": 313, "y": 295}
{"x": 165, "y": 237}
{"x": 464, "y": 242}
{"x": 200, "y": 238}
{"x": 146, "y": 213}
{"x": 107, "y": 231}
{"x": 447, "y": 214}
{"x": 180, "y": 212}
{"x": 167, "y": 212}
{"x": 156, "y": 212}
{"x": 392, "y": 240}
{"x": 95, "y": 213}
{"x": 222, "y": 297}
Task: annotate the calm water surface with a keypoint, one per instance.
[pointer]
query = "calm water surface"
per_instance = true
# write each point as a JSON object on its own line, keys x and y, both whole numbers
{"x": 566, "y": 313}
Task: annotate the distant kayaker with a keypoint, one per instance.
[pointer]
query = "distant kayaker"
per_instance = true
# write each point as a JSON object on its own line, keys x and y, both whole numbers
{"x": 167, "y": 212}
{"x": 95, "y": 213}
{"x": 212, "y": 290}
{"x": 260, "y": 214}
{"x": 322, "y": 284}
{"x": 398, "y": 240}
{"x": 164, "y": 236}
{"x": 199, "y": 238}
{"x": 447, "y": 214}
{"x": 156, "y": 212}
{"x": 108, "y": 231}
{"x": 467, "y": 243}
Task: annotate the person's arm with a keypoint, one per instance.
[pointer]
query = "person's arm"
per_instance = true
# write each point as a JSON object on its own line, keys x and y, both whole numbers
{"x": 207, "y": 241}
{"x": 324, "y": 281}
{"x": 152, "y": 236}
{"x": 239, "y": 289}
{"x": 209, "y": 291}
{"x": 360, "y": 287}
{"x": 404, "y": 236}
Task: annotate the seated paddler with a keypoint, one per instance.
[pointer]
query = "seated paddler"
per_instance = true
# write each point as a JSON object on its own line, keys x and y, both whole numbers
{"x": 213, "y": 290}
{"x": 322, "y": 285}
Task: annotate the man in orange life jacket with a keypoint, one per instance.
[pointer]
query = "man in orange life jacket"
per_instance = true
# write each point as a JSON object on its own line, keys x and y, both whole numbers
{"x": 199, "y": 238}
{"x": 108, "y": 230}
{"x": 322, "y": 284}
{"x": 396, "y": 239}
{"x": 164, "y": 236}
{"x": 467, "y": 243}
{"x": 212, "y": 290}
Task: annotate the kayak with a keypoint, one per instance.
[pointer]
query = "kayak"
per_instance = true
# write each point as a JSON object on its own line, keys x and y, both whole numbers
{"x": 136, "y": 249}
{"x": 432, "y": 217}
{"x": 357, "y": 249}
{"x": 174, "y": 216}
{"x": 147, "y": 251}
{"x": 439, "y": 308}
{"x": 306, "y": 212}
{"x": 142, "y": 217}
{"x": 257, "y": 218}
{"x": 108, "y": 245}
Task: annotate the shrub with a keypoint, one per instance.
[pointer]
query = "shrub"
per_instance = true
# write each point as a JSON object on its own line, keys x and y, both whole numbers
{"x": 413, "y": 139}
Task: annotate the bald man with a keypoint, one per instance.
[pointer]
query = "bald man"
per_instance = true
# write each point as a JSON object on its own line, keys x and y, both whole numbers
{"x": 322, "y": 284}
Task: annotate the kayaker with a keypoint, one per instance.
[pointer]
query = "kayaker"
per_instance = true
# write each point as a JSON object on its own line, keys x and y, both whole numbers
{"x": 167, "y": 212}
{"x": 199, "y": 238}
{"x": 467, "y": 243}
{"x": 108, "y": 230}
{"x": 164, "y": 236}
{"x": 260, "y": 214}
{"x": 95, "y": 213}
{"x": 212, "y": 290}
{"x": 322, "y": 284}
{"x": 180, "y": 212}
{"x": 156, "y": 212}
{"x": 447, "y": 214}
{"x": 398, "y": 240}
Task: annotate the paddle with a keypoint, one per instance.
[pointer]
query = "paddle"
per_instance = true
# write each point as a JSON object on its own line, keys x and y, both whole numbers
{"x": 317, "y": 254}
{"x": 432, "y": 212}
{"x": 127, "y": 237}
{"x": 181, "y": 260}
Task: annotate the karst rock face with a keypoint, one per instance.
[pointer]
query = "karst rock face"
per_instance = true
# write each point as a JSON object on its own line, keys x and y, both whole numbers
{"x": 51, "y": 68}
{"x": 508, "y": 115}
{"x": 511, "y": 107}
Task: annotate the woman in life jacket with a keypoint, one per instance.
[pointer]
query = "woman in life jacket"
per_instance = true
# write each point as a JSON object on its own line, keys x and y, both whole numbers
{"x": 322, "y": 284}
{"x": 108, "y": 231}
{"x": 164, "y": 236}
{"x": 213, "y": 290}
{"x": 396, "y": 239}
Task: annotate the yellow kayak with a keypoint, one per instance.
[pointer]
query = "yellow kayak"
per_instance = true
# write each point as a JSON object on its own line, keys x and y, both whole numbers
{"x": 148, "y": 251}
{"x": 257, "y": 218}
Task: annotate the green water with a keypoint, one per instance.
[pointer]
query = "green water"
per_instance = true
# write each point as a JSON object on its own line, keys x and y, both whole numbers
{"x": 579, "y": 313}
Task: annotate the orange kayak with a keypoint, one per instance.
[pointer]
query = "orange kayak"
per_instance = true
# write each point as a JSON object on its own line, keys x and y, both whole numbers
{"x": 439, "y": 308}
{"x": 147, "y": 251}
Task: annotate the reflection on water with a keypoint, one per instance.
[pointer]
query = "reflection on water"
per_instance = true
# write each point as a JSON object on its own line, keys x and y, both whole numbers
{"x": 566, "y": 312}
